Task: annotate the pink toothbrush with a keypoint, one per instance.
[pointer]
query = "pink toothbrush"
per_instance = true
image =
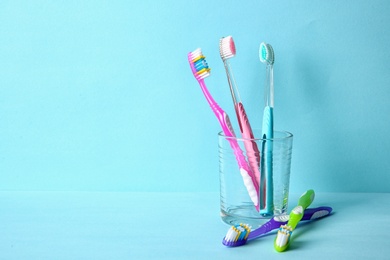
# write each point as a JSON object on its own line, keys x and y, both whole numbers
{"x": 227, "y": 50}
{"x": 201, "y": 70}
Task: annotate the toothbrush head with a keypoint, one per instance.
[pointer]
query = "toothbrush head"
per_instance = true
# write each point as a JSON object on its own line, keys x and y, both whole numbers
{"x": 237, "y": 235}
{"x": 266, "y": 53}
{"x": 227, "y": 48}
{"x": 282, "y": 240}
{"x": 283, "y": 237}
{"x": 198, "y": 64}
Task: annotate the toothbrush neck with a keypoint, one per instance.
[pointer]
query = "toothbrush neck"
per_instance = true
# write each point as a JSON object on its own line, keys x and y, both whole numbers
{"x": 269, "y": 86}
{"x": 213, "y": 104}
{"x": 232, "y": 83}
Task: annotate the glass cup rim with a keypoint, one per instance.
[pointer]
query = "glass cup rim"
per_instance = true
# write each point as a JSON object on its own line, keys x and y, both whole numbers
{"x": 287, "y": 135}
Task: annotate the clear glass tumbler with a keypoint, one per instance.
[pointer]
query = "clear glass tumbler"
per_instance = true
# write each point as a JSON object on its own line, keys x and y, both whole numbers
{"x": 274, "y": 167}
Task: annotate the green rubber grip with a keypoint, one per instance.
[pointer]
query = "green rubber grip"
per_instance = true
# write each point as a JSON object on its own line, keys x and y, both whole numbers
{"x": 306, "y": 199}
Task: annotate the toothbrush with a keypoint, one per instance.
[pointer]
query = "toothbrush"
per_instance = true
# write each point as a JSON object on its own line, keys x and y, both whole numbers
{"x": 267, "y": 56}
{"x": 227, "y": 50}
{"x": 238, "y": 235}
{"x": 283, "y": 237}
{"x": 201, "y": 70}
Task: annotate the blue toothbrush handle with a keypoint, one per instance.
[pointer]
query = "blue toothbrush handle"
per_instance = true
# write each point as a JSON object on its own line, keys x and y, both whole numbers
{"x": 272, "y": 224}
{"x": 267, "y": 188}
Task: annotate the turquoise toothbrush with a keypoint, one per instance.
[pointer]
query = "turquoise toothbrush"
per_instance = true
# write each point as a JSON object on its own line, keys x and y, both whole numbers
{"x": 283, "y": 237}
{"x": 266, "y": 54}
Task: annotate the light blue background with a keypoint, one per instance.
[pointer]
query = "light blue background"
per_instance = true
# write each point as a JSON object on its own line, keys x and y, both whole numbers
{"x": 98, "y": 95}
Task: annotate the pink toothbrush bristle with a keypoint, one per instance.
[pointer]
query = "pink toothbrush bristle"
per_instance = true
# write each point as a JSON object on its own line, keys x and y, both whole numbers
{"x": 228, "y": 48}
{"x": 232, "y": 46}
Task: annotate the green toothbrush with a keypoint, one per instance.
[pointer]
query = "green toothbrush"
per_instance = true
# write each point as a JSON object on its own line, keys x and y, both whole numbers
{"x": 283, "y": 238}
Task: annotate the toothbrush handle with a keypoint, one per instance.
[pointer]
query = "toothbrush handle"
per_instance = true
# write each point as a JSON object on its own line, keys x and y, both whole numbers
{"x": 251, "y": 148}
{"x": 272, "y": 224}
{"x": 306, "y": 199}
{"x": 316, "y": 213}
{"x": 268, "y": 133}
{"x": 250, "y": 182}
{"x": 295, "y": 216}
{"x": 298, "y": 212}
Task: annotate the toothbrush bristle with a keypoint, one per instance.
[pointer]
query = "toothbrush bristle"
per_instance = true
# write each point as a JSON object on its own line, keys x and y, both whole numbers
{"x": 199, "y": 65}
{"x": 266, "y": 53}
{"x": 237, "y": 235}
{"x": 283, "y": 237}
{"x": 282, "y": 218}
{"x": 271, "y": 55}
{"x": 320, "y": 214}
{"x": 298, "y": 210}
{"x": 227, "y": 48}
{"x": 263, "y": 52}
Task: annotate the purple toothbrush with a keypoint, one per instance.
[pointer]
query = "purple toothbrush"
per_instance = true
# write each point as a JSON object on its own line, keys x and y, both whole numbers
{"x": 238, "y": 235}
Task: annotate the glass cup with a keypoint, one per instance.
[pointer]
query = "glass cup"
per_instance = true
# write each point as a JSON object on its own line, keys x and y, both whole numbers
{"x": 273, "y": 162}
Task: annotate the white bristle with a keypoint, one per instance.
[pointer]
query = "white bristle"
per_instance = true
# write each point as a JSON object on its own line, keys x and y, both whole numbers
{"x": 201, "y": 74}
{"x": 247, "y": 229}
{"x": 298, "y": 210}
{"x": 235, "y": 232}
{"x": 283, "y": 236}
{"x": 227, "y": 48}
{"x": 232, "y": 234}
{"x": 319, "y": 214}
{"x": 197, "y": 52}
{"x": 282, "y": 218}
